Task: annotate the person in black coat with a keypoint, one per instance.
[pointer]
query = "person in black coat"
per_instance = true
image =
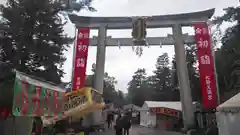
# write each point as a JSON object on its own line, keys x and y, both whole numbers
{"x": 126, "y": 123}
{"x": 119, "y": 125}
{"x": 109, "y": 120}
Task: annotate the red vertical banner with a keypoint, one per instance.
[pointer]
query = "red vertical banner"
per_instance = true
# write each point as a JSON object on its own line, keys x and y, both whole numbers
{"x": 80, "y": 58}
{"x": 206, "y": 66}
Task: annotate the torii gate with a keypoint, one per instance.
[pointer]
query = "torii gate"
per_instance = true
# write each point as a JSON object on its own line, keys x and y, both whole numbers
{"x": 176, "y": 22}
{"x": 178, "y": 40}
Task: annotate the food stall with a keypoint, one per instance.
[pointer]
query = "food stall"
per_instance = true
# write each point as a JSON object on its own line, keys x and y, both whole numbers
{"x": 33, "y": 98}
{"x": 164, "y": 115}
{"x": 38, "y": 101}
{"x": 24, "y": 98}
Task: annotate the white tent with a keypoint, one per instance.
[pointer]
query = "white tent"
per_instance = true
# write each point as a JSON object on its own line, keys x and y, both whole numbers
{"x": 228, "y": 116}
{"x": 147, "y": 118}
{"x": 166, "y": 104}
{"x": 131, "y": 106}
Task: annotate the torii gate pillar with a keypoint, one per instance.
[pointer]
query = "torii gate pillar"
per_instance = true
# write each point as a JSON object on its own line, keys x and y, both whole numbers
{"x": 100, "y": 65}
{"x": 183, "y": 79}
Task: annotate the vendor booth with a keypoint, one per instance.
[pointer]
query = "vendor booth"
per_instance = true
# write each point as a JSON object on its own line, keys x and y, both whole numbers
{"x": 228, "y": 116}
{"x": 28, "y": 97}
{"x": 162, "y": 115}
{"x": 36, "y": 98}
{"x": 37, "y": 104}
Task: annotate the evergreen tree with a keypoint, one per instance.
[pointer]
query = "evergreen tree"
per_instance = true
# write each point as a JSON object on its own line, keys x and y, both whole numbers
{"x": 138, "y": 91}
{"x": 227, "y": 57}
{"x": 110, "y": 94}
{"x": 119, "y": 99}
{"x": 174, "y": 79}
{"x": 78, "y": 5}
{"x": 191, "y": 58}
{"x": 162, "y": 79}
{"x": 35, "y": 40}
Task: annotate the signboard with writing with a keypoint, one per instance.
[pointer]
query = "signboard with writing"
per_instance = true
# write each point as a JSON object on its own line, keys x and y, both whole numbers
{"x": 74, "y": 104}
{"x": 166, "y": 111}
{"x": 36, "y": 98}
{"x": 75, "y": 100}
{"x": 78, "y": 103}
{"x": 206, "y": 66}
{"x": 80, "y": 58}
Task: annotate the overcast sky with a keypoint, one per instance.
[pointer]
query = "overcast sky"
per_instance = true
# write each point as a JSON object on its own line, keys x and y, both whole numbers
{"x": 122, "y": 63}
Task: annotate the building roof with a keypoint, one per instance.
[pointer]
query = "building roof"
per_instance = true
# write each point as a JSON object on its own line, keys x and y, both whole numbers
{"x": 132, "y": 106}
{"x": 176, "y": 105}
{"x": 231, "y": 105}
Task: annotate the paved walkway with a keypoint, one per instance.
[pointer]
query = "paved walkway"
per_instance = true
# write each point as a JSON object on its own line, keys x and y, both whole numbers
{"x": 139, "y": 130}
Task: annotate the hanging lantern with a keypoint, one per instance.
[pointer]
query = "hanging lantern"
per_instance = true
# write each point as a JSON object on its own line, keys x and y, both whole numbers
{"x": 139, "y": 31}
{"x": 119, "y": 45}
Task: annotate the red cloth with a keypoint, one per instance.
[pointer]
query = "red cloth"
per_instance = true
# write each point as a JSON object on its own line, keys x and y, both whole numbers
{"x": 5, "y": 112}
{"x": 168, "y": 124}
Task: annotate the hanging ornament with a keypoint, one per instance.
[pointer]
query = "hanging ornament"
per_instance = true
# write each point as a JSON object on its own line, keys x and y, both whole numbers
{"x": 160, "y": 43}
{"x": 133, "y": 48}
{"x": 140, "y": 51}
{"x": 136, "y": 50}
{"x": 119, "y": 45}
{"x": 147, "y": 45}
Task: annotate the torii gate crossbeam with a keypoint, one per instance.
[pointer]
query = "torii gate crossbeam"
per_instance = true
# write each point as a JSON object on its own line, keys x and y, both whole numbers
{"x": 152, "y": 41}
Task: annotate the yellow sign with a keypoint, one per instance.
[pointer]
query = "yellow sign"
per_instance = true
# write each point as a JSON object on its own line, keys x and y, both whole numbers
{"x": 74, "y": 100}
{"x": 79, "y": 103}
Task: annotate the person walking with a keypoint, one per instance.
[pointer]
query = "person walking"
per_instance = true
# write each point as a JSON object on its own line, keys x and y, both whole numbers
{"x": 126, "y": 123}
{"x": 119, "y": 125}
{"x": 109, "y": 120}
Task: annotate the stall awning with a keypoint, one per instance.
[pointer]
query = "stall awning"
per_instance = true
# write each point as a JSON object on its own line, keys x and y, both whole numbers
{"x": 35, "y": 97}
{"x": 231, "y": 105}
{"x": 131, "y": 106}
